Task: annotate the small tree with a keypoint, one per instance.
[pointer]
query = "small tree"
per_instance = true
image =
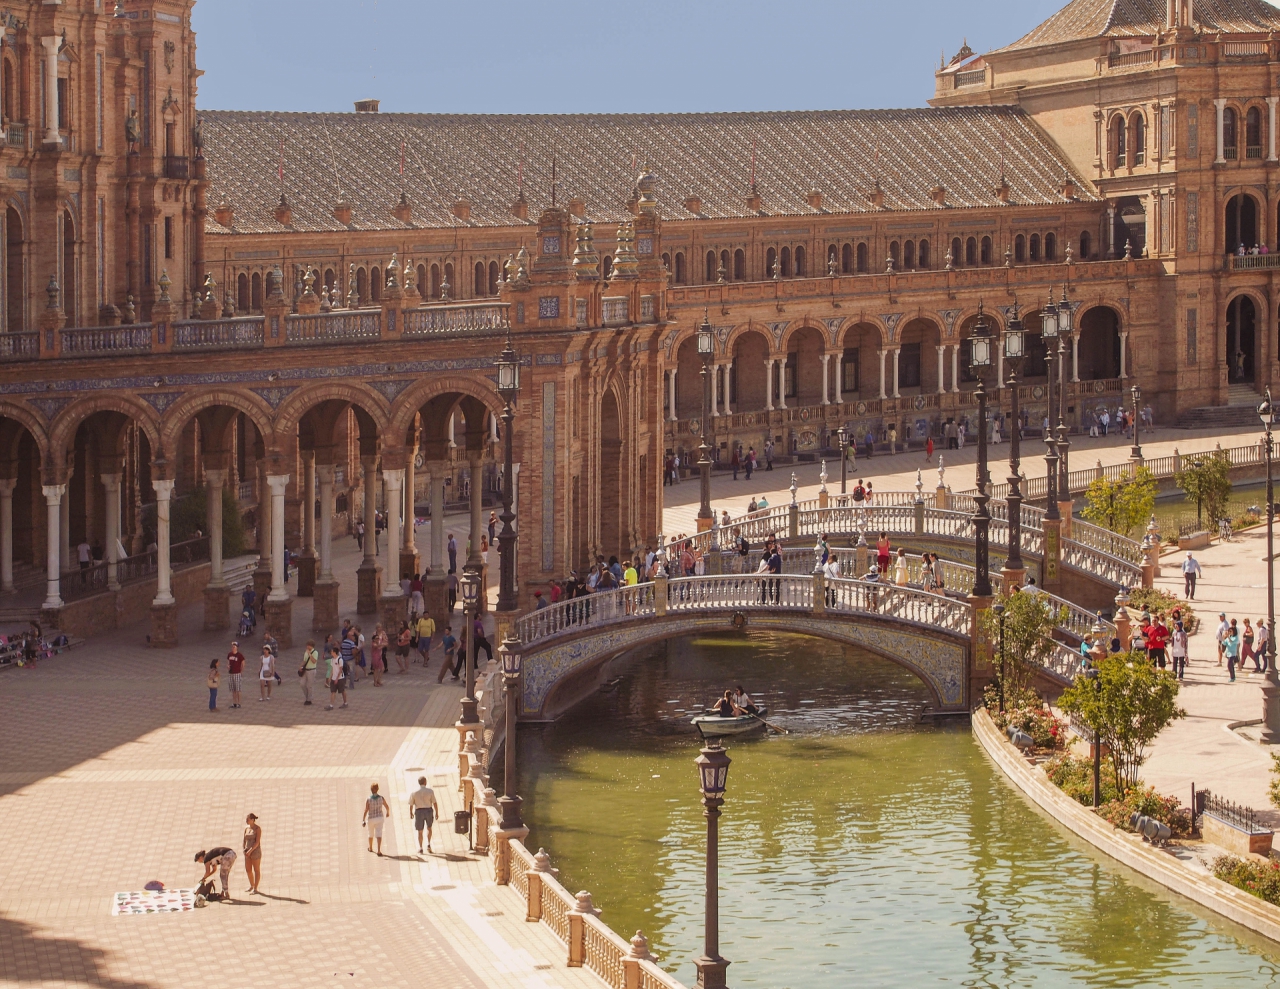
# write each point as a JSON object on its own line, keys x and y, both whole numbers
{"x": 1207, "y": 483}
{"x": 1128, "y": 706}
{"x": 1029, "y": 621}
{"x": 1122, "y": 505}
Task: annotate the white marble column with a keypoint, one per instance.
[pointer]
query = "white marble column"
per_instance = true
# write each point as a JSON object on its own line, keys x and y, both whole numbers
{"x": 671, "y": 395}
{"x": 955, "y": 367}
{"x": 452, "y": 442}
{"x": 998, "y": 346}
{"x": 1220, "y": 107}
{"x": 213, "y": 481}
{"x": 53, "y": 531}
{"x": 278, "y": 484}
{"x": 714, "y": 371}
{"x": 882, "y": 356}
{"x": 7, "y": 484}
{"x": 437, "y": 519}
{"x": 1271, "y": 127}
{"x": 51, "y": 45}
{"x": 768, "y": 384}
{"x": 782, "y": 384}
{"x": 64, "y": 521}
{"x": 1124, "y": 346}
{"x": 728, "y": 380}
{"x": 409, "y": 536}
{"x": 111, "y": 482}
{"x": 942, "y": 368}
{"x": 477, "y": 514}
{"x": 393, "y": 482}
{"x": 897, "y": 351}
{"x": 826, "y": 360}
{"x": 369, "y": 466}
{"x": 839, "y": 377}
{"x": 309, "y": 502}
{"x": 324, "y": 480}
{"x": 1075, "y": 357}
{"x": 164, "y": 570}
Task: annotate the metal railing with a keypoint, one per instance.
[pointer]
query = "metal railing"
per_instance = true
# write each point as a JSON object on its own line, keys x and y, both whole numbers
{"x": 131, "y": 339}
{"x": 219, "y": 334}
{"x": 19, "y": 346}
{"x": 82, "y": 583}
{"x": 1234, "y": 815}
{"x": 334, "y": 327}
{"x": 974, "y": 77}
{"x": 430, "y": 320}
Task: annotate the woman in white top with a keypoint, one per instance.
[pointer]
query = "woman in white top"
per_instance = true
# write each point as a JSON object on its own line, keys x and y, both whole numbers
{"x": 267, "y": 676}
{"x": 928, "y": 576}
{"x": 900, "y": 573}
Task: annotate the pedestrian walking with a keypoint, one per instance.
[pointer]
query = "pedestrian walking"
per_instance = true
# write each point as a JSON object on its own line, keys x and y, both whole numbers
{"x": 423, "y": 809}
{"x": 426, "y": 630}
{"x": 1178, "y": 648}
{"x": 211, "y": 681}
{"x": 1157, "y": 641}
{"x": 1246, "y": 645}
{"x": 307, "y": 671}
{"x": 901, "y": 571}
{"x": 882, "y": 553}
{"x": 450, "y": 646}
{"x": 252, "y": 852}
{"x": 1224, "y": 627}
{"x": 337, "y": 679}
{"x": 453, "y": 554}
{"x": 481, "y": 641}
{"x": 267, "y": 674}
{"x": 1260, "y": 658}
{"x": 402, "y": 647}
{"x": 375, "y": 815}
{"x": 928, "y": 450}
{"x": 235, "y": 671}
{"x": 1231, "y": 649}
{"x": 378, "y": 656}
{"x": 219, "y": 860}
{"x": 1190, "y": 571}
{"x": 451, "y": 589}
{"x": 893, "y": 438}
{"x": 416, "y": 604}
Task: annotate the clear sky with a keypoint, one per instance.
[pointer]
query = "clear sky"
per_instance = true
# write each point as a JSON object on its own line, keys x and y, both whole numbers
{"x": 560, "y": 56}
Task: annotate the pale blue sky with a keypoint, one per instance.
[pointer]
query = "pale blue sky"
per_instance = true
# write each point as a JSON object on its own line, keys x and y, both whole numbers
{"x": 558, "y": 56}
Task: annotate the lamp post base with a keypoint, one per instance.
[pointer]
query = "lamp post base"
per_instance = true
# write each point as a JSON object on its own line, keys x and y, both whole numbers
{"x": 510, "y": 810}
{"x": 470, "y": 711}
{"x": 712, "y": 972}
{"x": 1270, "y": 734}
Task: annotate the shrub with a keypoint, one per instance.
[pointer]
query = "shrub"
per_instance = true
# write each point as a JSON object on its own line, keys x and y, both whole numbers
{"x": 1154, "y": 600}
{"x": 190, "y": 513}
{"x": 1145, "y": 800}
{"x": 1207, "y": 483}
{"x": 1074, "y": 777}
{"x": 1273, "y": 789}
{"x": 1046, "y": 729}
{"x": 1263, "y": 881}
{"x": 1122, "y": 505}
{"x": 1022, "y": 642}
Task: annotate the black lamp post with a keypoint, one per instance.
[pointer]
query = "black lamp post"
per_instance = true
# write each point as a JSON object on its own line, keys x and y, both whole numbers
{"x": 998, "y": 608}
{"x": 1014, "y": 349}
{"x": 509, "y": 803}
{"x": 1271, "y": 687}
{"x": 1049, "y": 333}
{"x": 470, "y": 584}
{"x": 713, "y": 776}
{"x": 705, "y": 343}
{"x": 508, "y": 388}
{"x": 1065, "y": 329}
{"x": 842, "y": 438}
{"x": 1136, "y": 452}
{"x": 980, "y": 360}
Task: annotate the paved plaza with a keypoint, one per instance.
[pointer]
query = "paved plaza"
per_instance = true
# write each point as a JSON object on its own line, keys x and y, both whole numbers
{"x": 115, "y": 773}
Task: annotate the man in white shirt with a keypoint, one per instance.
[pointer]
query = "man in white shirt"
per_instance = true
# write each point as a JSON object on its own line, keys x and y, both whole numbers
{"x": 1260, "y": 658}
{"x": 84, "y": 553}
{"x": 424, "y": 810}
{"x": 1190, "y": 571}
{"x": 1224, "y": 629}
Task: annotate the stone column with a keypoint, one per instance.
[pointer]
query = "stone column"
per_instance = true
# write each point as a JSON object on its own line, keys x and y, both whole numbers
{"x": 111, "y": 482}
{"x": 826, "y": 359}
{"x": 164, "y": 609}
{"x": 1219, "y": 107}
{"x": 724, "y": 400}
{"x": 897, "y": 351}
{"x": 262, "y": 573}
{"x": 1075, "y": 357}
{"x": 369, "y": 576}
{"x": 1271, "y": 127}
{"x": 53, "y": 570}
{"x": 768, "y": 384}
{"x": 715, "y": 389}
{"x": 65, "y": 555}
{"x": 392, "y": 604}
{"x": 955, "y": 367}
{"x": 324, "y": 611}
{"x": 307, "y": 556}
{"x": 7, "y": 484}
{"x": 882, "y": 354}
{"x": 217, "y": 594}
{"x": 435, "y": 587}
{"x": 839, "y": 378}
{"x": 671, "y": 389}
{"x": 477, "y": 514}
{"x": 409, "y": 564}
{"x": 1124, "y": 347}
{"x": 51, "y": 45}
{"x": 998, "y": 346}
{"x": 279, "y": 601}
{"x": 942, "y": 368}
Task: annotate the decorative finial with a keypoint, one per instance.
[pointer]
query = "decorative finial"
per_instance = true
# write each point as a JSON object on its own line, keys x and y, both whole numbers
{"x": 942, "y": 473}
{"x": 919, "y": 487}
{"x": 165, "y": 283}
{"x": 822, "y": 477}
{"x": 794, "y": 486}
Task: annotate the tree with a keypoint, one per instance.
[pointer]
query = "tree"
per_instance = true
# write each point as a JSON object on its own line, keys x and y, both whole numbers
{"x": 1208, "y": 483}
{"x": 1029, "y": 621}
{"x": 1122, "y": 505}
{"x": 1128, "y": 705}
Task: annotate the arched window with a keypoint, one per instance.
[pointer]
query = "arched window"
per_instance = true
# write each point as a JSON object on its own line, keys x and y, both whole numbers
{"x": 449, "y": 279}
{"x": 1241, "y": 223}
{"x": 724, "y": 263}
{"x": 957, "y": 252}
{"x": 971, "y": 252}
{"x": 909, "y": 254}
{"x": 331, "y": 278}
{"x": 1019, "y": 248}
{"x": 481, "y": 281}
{"x": 1033, "y": 252}
{"x": 711, "y": 266}
{"x": 1118, "y": 159}
{"x": 1253, "y": 133}
{"x": 770, "y": 261}
{"x": 375, "y": 285}
{"x": 10, "y": 93}
{"x": 682, "y": 276}
{"x": 1086, "y": 245}
{"x": 494, "y": 276}
{"x": 423, "y": 286}
{"x": 862, "y": 258}
{"x": 786, "y": 262}
{"x": 922, "y": 254}
{"x": 435, "y": 282}
{"x": 802, "y": 268}
{"x": 362, "y": 286}
{"x": 255, "y": 293}
{"x": 846, "y": 259}
{"x": 986, "y": 250}
{"x": 242, "y": 292}
{"x": 16, "y": 270}
{"x": 607, "y": 266}
{"x": 1139, "y": 139}
{"x": 739, "y": 265}
{"x": 1050, "y": 247}
{"x": 1229, "y": 133}
{"x": 895, "y": 252}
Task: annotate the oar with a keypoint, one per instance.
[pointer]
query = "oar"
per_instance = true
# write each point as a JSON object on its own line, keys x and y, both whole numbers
{"x": 780, "y": 731}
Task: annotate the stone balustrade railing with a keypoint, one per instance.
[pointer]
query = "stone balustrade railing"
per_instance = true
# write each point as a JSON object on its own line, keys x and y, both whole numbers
{"x": 352, "y": 326}
{"x": 239, "y": 333}
{"x": 455, "y": 319}
{"x": 19, "y": 346}
{"x": 113, "y": 340}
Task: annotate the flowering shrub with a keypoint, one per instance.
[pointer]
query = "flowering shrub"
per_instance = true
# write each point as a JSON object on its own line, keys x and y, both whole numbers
{"x": 1145, "y": 800}
{"x": 1046, "y": 729}
{"x": 1263, "y": 881}
{"x": 1075, "y": 778}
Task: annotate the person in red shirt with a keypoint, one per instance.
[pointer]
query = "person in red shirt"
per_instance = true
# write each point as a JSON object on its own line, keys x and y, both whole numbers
{"x": 235, "y": 668}
{"x": 1157, "y": 641}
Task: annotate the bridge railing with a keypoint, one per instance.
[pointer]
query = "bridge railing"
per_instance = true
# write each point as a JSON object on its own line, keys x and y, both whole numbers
{"x": 788, "y": 591}
{"x": 592, "y": 611}
{"x": 902, "y": 603}
{"x": 131, "y": 339}
{"x": 1106, "y": 541}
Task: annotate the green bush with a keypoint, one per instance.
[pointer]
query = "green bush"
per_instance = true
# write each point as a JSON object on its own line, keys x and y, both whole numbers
{"x": 1273, "y": 789}
{"x": 1154, "y": 600}
{"x": 1045, "y": 729}
{"x": 1263, "y": 881}
{"x": 1074, "y": 777}
{"x": 190, "y": 515}
{"x": 1145, "y": 800}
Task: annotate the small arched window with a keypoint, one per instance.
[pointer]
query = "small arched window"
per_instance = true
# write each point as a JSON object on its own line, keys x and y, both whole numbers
{"x": 802, "y": 267}
{"x": 1253, "y": 133}
{"x": 739, "y": 265}
{"x": 10, "y": 93}
{"x": 1050, "y": 247}
{"x": 606, "y": 266}
{"x": 909, "y": 254}
{"x": 449, "y": 279}
{"x": 957, "y": 252}
{"x": 242, "y": 292}
{"x": 681, "y": 275}
{"x": 846, "y": 259}
{"x": 1118, "y": 158}
{"x": 255, "y": 293}
{"x": 375, "y": 285}
{"x": 922, "y": 254}
{"x": 770, "y": 262}
{"x": 785, "y": 255}
{"x": 422, "y": 280}
{"x": 971, "y": 252}
{"x": 986, "y": 250}
{"x": 1229, "y": 135}
{"x": 1019, "y": 248}
{"x": 895, "y": 252}
{"x": 493, "y": 277}
{"x": 1034, "y": 248}
{"x": 362, "y": 286}
{"x": 711, "y": 266}
{"x": 435, "y": 282}
{"x": 1086, "y": 246}
{"x": 481, "y": 280}
{"x": 1139, "y": 139}
{"x": 862, "y": 258}
{"x": 724, "y": 263}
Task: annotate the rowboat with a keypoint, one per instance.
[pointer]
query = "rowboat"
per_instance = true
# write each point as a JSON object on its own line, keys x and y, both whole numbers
{"x": 714, "y": 726}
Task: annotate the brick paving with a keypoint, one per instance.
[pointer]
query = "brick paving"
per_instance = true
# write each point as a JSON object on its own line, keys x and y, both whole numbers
{"x": 115, "y": 773}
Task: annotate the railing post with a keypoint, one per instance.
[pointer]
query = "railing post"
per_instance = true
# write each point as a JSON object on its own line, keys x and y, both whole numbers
{"x": 819, "y": 593}
{"x": 1051, "y": 569}
{"x": 660, "y": 584}
{"x": 715, "y": 561}
{"x": 919, "y": 514}
{"x": 793, "y": 521}
{"x": 541, "y": 867}
{"x": 578, "y": 929}
{"x": 275, "y": 312}
{"x": 50, "y": 336}
{"x": 637, "y": 953}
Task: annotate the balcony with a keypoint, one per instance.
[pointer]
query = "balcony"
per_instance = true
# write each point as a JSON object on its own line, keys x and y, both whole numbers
{"x": 1128, "y": 59}
{"x": 975, "y": 77}
{"x": 176, "y": 167}
{"x": 1252, "y": 262}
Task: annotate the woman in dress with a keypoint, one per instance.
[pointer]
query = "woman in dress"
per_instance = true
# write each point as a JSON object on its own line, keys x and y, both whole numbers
{"x": 416, "y": 605}
{"x": 267, "y": 675}
{"x": 402, "y": 647}
{"x": 900, "y": 571}
{"x": 252, "y": 852}
{"x": 379, "y": 657}
{"x": 882, "y": 553}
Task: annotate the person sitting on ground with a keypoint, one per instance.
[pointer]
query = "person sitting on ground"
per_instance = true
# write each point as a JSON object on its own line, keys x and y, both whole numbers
{"x": 743, "y": 702}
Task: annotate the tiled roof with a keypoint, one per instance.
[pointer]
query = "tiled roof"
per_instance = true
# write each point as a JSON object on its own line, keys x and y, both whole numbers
{"x": 1083, "y": 19}
{"x": 355, "y": 157}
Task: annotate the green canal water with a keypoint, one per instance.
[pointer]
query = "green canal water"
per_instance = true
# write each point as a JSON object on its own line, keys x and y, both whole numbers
{"x": 862, "y": 849}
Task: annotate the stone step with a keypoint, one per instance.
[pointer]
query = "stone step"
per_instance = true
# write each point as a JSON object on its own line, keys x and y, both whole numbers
{"x": 1218, "y": 416}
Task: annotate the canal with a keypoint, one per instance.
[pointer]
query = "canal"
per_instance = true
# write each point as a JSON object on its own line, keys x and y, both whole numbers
{"x": 862, "y": 848}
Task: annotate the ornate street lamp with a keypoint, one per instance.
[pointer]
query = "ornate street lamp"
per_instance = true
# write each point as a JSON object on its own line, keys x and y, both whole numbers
{"x": 1049, "y": 333}
{"x": 1135, "y": 453}
{"x": 1065, "y": 329}
{"x": 470, "y": 585}
{"x": 713, "y": 776}
{"x": 706, "y": 341}
{"x": 1014, "y": 350}
{"x": 508, "y": 388}
{"x": 842, "y": 438}
{"x": 1270, "y": 416}
{"x": 998, "y": 608}
{"x": 509, "y": 803}
{"x": 980, "y": 360}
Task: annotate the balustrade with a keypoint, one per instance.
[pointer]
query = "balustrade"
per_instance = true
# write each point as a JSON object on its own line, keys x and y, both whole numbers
{"x": 131, "y": 339}
{"x": 19, "y": 346}
{"x": 455, "y": 319}
{"x": 219, "y": 334}
{"x": 346, "y": 325}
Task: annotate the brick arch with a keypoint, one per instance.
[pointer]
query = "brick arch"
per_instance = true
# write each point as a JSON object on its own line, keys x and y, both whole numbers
{"x": 805, "y": 323}
{"x": 70, "y": 418}
{"x": 416, "y": 396}
{"x": 27, "y": 420}
{"x": 176, "y": 417}
{"x": 739, "y": 331}
{"x": 995, "y": 322}
{"x": 297, "y": 405}
{"x": 862, "y": 320}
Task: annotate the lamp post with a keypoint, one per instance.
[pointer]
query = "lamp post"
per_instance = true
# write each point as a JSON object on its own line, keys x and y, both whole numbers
{"x": 842, "y": 438}
{"x": 705, "y": 343}
{"x": 713, "y": 775}
{"x": 1271, "y": 688}
{"x": 1065, "y": 329}
{"x": 980, "y": 360}
{"x": 998, "y": 608}
{"x": 1135, "y": 453}
{"x": 509, "y": 803}
{"x": 1049, "y": 333}
{"x": 1014, "y": 348}
{"x": 470, "y": 584}
{"x": 508, "y": 388}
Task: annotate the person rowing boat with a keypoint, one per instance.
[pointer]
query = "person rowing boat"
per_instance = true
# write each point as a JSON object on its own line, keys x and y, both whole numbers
{"x": 726, "y": 708}
{"x": 743, "y": 702}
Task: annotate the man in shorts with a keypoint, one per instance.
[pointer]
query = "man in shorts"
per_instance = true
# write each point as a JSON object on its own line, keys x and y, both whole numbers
{"x": 423, "y": 809}
{"x": 375, "y": 816}
{"x": 450, "y": 645}
{"x": 426, "y": 630}
{"x": 235, "y": 671}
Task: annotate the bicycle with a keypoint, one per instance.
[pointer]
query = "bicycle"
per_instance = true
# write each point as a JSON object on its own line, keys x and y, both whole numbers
{"x": 1225, "y": 532}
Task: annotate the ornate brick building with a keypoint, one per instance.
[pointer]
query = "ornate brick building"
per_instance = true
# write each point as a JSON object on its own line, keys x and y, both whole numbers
{"x": 317, "y": 299}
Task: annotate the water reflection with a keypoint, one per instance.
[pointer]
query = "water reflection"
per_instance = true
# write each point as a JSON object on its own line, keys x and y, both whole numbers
{"x": 863, "y": 846}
